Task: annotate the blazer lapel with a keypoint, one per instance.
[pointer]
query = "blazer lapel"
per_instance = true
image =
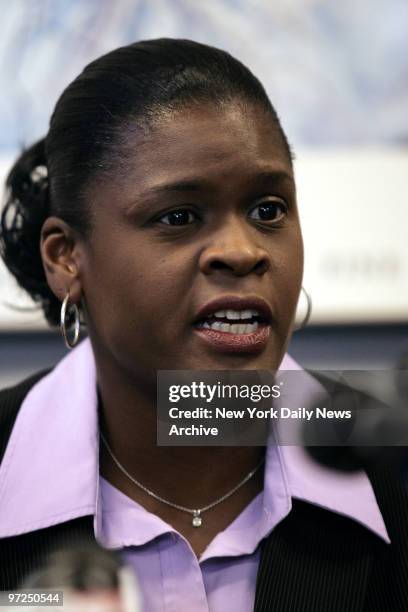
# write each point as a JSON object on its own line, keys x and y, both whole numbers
{"x": 315, "y": 561}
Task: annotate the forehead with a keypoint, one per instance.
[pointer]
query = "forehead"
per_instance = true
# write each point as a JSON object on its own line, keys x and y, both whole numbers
{"x": 208, "y": 140}
{"x": 222, "y": 150}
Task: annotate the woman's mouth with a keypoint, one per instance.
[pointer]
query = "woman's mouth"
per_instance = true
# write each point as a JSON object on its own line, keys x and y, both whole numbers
{"x": 237, "y": 331}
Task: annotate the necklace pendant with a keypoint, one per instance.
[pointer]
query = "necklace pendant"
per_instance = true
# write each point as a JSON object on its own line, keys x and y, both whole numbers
{"x": 197, "y": 520}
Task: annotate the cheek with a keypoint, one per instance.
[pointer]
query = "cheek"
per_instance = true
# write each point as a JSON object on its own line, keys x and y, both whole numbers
{"x": 287, "y": 255}
{"x": 133, "y": 294}
{"x": 287, "y": 274}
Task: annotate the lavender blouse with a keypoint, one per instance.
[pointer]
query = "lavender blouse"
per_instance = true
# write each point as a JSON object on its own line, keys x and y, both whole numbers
{"x": 53, "y": 477}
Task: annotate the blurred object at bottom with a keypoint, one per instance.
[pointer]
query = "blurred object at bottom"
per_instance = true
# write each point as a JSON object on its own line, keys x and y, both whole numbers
{"x": 92, "y": 579}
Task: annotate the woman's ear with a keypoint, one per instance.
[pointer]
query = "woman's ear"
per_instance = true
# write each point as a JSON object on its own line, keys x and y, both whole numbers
{"x": 59, "y": 247}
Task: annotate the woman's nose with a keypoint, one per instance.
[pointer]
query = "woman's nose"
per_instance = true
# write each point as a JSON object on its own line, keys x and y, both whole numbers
{"x": 234, "y": 250}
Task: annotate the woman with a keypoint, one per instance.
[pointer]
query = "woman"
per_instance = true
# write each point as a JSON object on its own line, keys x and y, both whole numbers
{"x": 162, "y": 194}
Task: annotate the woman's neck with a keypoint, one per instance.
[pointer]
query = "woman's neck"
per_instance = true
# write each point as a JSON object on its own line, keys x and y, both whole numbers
{"x": 189, "y": 475}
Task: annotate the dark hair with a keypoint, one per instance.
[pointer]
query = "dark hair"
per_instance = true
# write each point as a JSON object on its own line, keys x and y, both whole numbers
{"x": 126, "y": 88}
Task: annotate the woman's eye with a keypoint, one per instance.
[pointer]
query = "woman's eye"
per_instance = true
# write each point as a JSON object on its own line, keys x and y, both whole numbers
{"x": 178, "y": 217}
{"x": 269, "y": 211}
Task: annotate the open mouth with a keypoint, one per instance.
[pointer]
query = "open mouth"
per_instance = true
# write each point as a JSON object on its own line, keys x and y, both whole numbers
{"x": 235, "y": 324}
{"x": 233, "y": 321}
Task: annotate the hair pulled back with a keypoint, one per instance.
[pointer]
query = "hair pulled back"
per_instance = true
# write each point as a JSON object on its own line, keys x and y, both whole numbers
{"x": 125, "y": 89}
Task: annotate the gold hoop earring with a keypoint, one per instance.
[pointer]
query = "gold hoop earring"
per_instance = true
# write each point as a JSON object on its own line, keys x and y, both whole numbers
{"x": 308, "y": 311}
{"x": 70, "y": 344}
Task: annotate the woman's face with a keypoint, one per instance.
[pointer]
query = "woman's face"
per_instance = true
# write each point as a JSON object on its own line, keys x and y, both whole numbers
{"x": 206, "y": 210}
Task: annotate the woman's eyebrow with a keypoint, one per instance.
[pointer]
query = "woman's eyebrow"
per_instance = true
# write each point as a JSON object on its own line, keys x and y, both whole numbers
{"x": 190, "y": 185}
{"x": 182, "y": 186}
{"x": 205, "y": 184}
{"x": 273, "y": 176}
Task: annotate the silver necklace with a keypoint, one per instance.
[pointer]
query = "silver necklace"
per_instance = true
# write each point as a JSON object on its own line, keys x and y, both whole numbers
{"x": 197, "y": 513}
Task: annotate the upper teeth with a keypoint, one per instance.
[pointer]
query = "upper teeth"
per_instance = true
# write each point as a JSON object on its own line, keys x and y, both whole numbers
{"x": 236, "y": 314}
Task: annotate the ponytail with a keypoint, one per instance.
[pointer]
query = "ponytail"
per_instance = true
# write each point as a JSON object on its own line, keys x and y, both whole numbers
{"x": 25, "y": 210}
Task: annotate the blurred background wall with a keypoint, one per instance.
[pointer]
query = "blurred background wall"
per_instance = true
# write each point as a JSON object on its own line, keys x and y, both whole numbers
{"x": 337, "y": 72}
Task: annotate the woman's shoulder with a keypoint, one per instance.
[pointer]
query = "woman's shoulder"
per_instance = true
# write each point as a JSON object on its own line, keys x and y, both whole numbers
{"x": 11, "y": 398}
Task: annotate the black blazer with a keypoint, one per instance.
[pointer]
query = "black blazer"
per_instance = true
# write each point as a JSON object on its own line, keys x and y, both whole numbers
{"x": 314, "y": 560}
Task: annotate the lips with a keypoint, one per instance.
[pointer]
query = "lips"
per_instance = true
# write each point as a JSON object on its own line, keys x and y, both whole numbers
{"x": 226, "y": 341}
